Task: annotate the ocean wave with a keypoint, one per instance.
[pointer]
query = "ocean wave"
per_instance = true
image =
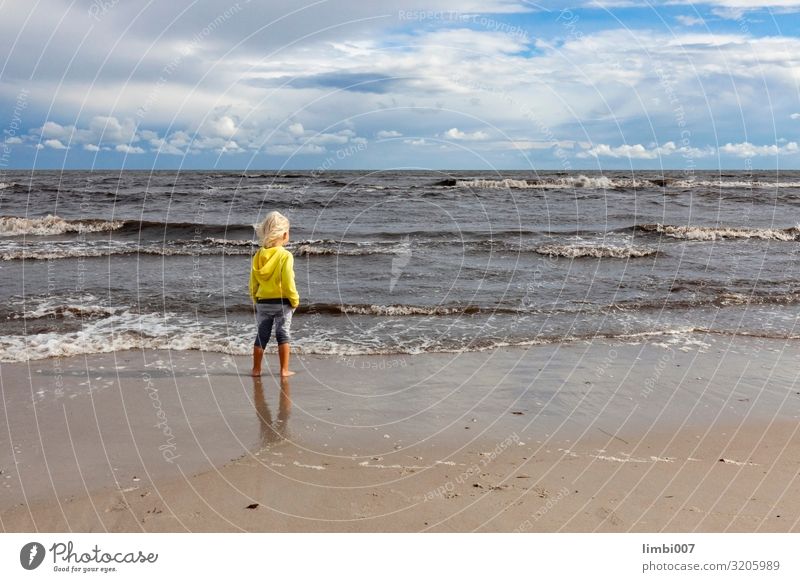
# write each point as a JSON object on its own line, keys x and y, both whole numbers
{"x": 56, "y": 250}
{"x": 128, "y": 330}
{"x": 122, "y": 331}
{"x": 607, "y": 183}
{"x": 577, "y": 251}
{"x": 406, "y": 310}
{"x": 143, "y": 332}
{"x": 89, "y": 325}
{"x": 231, "y": 242}
{"x": 56, "y": 310}
{"x": 742, "y": 184}
{"x": 718, "y": 299}
{"x": 504, "y": 184}
{"x": 553, "y": 183}
{"x": 53, "y": 225}
{"x": 351, "y": 249}
{"x": 4, "y": 185}
{"x": 728, "y": 299}
{"x": 706, "y": 233}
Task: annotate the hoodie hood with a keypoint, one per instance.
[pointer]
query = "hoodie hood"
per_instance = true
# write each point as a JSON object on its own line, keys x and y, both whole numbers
{"x": 271, "y": 260}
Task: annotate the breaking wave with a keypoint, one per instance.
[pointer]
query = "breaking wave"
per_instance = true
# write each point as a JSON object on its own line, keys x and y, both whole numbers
{"x": 595, "y": 251}
{"x": 581, "y": 181}
{"x": 352, "y": 249}
{"x": 607, "y": 183}
{"x": 706, "y": 233}
{"x": 51, "y": 225}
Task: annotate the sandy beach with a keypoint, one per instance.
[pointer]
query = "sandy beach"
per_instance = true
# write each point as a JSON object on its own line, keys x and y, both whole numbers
{"x": 669, "y": 434}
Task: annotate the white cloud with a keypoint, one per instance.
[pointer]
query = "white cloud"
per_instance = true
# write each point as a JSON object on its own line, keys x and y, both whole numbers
{"x": 293, "y": 150}
{"x": 101, "y": 129}
{"x": 112, "y": 130}
{"x": 637, "y": 151}
{"x": 331, "y": 138}
{"x": 127, "y": 149}
{"x": 161, "y": 147}
{"x": 230, "y": 147}
{"x": 416, "y": 142}
{"x": 749, "y": 150}
{"x": 388, "y": 134}
{"x": 13, "y": 140}
{"x": 457, "y": 134}
{"x": 795, "y": 116}
{"x": 90, "y": 147}
{"x": 728, "y": 13}
{"x": 52, "y": 129}
{"x": 296, "y": 129}
{"x": 55, "y": 144}
{"x": 223, "y": 126}
{"x": 690, "y": 20}
{"x": 640, "y": 152}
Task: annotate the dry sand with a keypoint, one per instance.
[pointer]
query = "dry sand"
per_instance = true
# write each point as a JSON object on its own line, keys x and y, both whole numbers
{"x": 574, "y": 437}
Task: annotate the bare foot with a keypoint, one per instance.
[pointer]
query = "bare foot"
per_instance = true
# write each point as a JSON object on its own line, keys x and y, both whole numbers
{"x": 255, "y": 373}
{"x": 285, "y": 374}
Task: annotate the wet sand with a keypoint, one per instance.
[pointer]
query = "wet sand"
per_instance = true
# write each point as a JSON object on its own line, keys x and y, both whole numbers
{"x": 597, "y": 436}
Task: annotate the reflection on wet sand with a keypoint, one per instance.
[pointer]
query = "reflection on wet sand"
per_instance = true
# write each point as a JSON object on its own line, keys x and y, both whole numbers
{"x": 272, "y": 431}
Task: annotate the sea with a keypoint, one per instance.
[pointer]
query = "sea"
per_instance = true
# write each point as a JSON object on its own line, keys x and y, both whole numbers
{"x": 397, "y": 262}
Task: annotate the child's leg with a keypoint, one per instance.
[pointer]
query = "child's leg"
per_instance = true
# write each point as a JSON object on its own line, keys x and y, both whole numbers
{"x": 264, "y": 331}
{"x": 283, "y": 324}
{"x": 283, "y": 355}
{"x": 258, "y": 355}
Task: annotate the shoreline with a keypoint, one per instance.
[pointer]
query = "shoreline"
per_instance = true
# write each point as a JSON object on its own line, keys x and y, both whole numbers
{"x": 600, "y": 436}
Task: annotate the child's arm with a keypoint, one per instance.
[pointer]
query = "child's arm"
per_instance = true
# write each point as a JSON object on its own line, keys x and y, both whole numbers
{"x": 287, "y": 282}
{"x": 253, "y": 281}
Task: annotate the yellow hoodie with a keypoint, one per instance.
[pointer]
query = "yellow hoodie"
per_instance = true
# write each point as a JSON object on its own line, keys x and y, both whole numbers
{"x": 272, "y": 275}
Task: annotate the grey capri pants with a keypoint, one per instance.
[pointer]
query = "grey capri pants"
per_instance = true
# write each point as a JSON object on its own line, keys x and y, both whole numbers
{"x": 273, "y": 313}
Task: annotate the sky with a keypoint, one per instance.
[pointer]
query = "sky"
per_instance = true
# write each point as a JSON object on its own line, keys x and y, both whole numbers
{"x": 439, "y": 84}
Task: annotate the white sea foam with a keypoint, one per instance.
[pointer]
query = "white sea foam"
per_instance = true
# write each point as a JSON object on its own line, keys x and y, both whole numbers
{"x": 52, "y": 225}
{"x": 580, "y": 181}
{"x": 231, "y": 242}
{"x": 108, "y": 328}
{"x": 55, "y": 307}
{"x": 573, "y": 251}
{"x": 741, "y": 184}
{"x": 495, "y": 184}
{"x": 10, "y": 251}
{"x": 397, "y": 310}
{"x": 305, "y": 250}
{"x": 607, "y": 183}
{"x": 123, "y": 331}
{"x": 706, "y": 233}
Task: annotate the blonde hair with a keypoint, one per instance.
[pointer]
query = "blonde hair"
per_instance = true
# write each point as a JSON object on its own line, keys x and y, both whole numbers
{"x": 271, "y": 230}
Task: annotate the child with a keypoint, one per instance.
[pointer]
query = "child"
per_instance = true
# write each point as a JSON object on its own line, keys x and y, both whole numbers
{"x": 273, "y": 290}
